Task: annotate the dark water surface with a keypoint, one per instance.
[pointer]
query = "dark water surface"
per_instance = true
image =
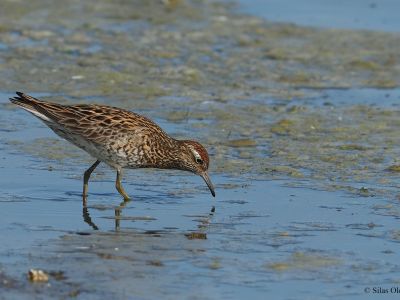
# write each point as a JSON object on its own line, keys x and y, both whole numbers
{"x": 303, "y": 139}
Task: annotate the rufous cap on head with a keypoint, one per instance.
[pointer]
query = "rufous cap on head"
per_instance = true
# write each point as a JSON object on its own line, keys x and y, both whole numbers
{"x": 199, "y": 150}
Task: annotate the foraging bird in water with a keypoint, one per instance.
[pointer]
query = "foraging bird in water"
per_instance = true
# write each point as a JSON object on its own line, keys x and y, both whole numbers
{"x": 119, "y": 138}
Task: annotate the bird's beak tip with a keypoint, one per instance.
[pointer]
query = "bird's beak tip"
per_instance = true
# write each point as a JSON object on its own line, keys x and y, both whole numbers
{"x": 208, "y": 182}
{"x": 212, "y": 191}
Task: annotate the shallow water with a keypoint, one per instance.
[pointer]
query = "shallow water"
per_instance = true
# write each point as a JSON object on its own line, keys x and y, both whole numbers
{"x": 357, "y": 14}
{"x": 303, "y": 142}
{"x": 262, "y": 237}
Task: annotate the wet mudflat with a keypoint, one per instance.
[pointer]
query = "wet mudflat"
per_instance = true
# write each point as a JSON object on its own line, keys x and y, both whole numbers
{"x": 302, "y": 126}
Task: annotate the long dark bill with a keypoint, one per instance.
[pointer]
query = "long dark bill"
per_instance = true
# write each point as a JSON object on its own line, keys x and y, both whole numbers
{"x": 208, "y": 182}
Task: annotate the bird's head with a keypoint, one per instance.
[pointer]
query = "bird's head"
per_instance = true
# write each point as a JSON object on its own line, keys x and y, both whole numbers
{"x": 195, "y": 159}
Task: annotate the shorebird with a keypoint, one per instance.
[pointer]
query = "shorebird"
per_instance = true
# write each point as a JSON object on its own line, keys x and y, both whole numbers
{"x": 119, "y": 138}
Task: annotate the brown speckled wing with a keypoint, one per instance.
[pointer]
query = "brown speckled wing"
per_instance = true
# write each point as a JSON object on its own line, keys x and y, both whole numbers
{"x": 96, "y": 123}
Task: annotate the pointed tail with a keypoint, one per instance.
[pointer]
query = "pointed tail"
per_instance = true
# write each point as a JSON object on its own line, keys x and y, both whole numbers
{"x": 30, "y": 104}
{"x": 24, "y": 100}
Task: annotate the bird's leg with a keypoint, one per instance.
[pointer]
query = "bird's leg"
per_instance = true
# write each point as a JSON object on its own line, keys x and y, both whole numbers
{"x": 86, "y": 177}
{"x": 119, "y": 187}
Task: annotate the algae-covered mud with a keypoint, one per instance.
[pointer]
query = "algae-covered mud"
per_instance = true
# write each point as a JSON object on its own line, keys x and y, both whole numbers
{"x": 301, "y": 124}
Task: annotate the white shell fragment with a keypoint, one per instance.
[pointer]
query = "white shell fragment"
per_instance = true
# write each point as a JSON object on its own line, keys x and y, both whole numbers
{"x": 37, "y": 276}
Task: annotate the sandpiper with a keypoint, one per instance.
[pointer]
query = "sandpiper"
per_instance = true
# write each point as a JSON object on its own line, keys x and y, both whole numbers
{"x": 119, "y": 138}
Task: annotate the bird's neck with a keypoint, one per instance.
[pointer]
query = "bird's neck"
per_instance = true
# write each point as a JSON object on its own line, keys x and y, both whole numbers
{"x": 168, "y": 154}
{"x": 174, "y": 156}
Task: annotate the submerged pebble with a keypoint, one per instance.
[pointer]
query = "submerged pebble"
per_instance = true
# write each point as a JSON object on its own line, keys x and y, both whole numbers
{"x": 196, "y": 236}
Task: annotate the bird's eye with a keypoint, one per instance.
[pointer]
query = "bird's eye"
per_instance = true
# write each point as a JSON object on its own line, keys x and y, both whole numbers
{"x": 199, "y": 160}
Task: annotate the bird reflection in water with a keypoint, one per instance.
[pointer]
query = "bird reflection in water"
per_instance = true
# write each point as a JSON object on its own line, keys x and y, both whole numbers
{"x": 117, "y": 213}
{"x": 204, "y": 222}
{"x": 87, "y": 218}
